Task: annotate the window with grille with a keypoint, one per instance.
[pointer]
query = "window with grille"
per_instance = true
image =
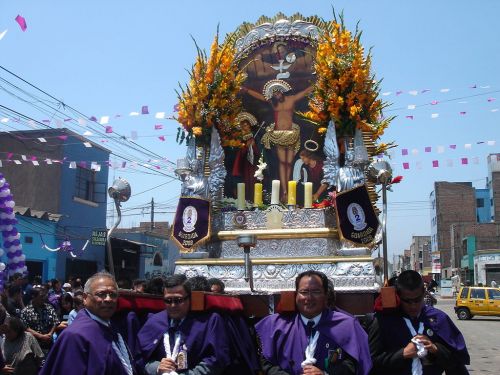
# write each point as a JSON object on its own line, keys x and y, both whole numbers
{"x": 87, "y": 188}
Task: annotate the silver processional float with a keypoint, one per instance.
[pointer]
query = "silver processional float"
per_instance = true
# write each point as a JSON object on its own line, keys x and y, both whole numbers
{"x": 282, "y": 123}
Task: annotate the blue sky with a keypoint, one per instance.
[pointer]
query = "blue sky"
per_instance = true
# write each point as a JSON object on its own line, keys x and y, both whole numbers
{"x": 112, "y": 57}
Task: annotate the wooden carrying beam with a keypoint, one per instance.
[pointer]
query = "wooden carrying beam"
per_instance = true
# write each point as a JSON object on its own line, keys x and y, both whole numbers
{"x": 203, "y": 301}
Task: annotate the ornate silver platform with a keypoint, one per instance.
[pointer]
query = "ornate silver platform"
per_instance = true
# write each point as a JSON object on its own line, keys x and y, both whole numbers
{"x": 308, "y": 240}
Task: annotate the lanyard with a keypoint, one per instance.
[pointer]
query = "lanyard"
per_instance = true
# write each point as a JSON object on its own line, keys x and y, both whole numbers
{"x": 122, "y": 353}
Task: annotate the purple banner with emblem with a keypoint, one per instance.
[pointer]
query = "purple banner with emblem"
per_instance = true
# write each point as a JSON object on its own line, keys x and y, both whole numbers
{"x": 192, "y": 223}
{"x": 356, "y": 218}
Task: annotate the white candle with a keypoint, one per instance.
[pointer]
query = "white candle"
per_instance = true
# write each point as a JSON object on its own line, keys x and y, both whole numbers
{"x": 308, "y": 194}
{"x": 275, "y": 192}
{"x": 241, "y": 204}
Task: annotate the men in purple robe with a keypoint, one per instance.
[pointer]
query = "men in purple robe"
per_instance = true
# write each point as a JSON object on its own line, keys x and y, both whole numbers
{"x": 179, "y": 340}
{"x": 315, "y": 340}
{"x": 90, "y": 345}
{"x": 415, "y": 339}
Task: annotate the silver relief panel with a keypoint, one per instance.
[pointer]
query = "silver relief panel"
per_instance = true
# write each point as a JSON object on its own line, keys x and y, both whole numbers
{"x": 299, "y": 218}
{"x": 347, "y": 276}
{"x": 289, "y": 248}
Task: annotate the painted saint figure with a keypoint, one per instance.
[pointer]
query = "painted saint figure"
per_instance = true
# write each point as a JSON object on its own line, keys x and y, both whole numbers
{"x": 282, "y": 133}
{"x": 245, "y": 162}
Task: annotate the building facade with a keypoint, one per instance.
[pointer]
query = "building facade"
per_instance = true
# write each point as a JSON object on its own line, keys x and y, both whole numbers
{"x": 62, "y": 173}
{"x": 420, "y": 254}
{"x": 465, "y": 226}
{"x": 156, "y": 253}
{"x": 451, "y": 203}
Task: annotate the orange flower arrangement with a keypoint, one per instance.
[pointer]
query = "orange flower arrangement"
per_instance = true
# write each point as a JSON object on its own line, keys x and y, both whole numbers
{"x": 211, "y": 96}
{"x": 345, "y": 91}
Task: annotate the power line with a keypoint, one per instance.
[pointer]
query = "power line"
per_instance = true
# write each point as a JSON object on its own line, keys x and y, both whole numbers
{"x": 445, "y": 101}
{"x": 60, "y": 102}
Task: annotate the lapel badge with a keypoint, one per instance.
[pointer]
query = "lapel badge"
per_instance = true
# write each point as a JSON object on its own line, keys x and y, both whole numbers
{"x": 430, "y": 332}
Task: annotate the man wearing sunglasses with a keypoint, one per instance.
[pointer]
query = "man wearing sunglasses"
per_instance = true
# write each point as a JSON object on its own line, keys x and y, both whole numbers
{"x": 178, "y": 340}
{"x": 415, "y": 339}
{"x": 316, "y": 340}
{"x": 90, "y": 345}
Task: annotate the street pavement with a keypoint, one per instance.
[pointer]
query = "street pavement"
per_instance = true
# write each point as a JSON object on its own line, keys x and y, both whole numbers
{"x": 482, "y": 336}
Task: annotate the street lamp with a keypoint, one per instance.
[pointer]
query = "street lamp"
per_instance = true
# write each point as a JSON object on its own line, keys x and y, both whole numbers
{"x": 120, "y": 191}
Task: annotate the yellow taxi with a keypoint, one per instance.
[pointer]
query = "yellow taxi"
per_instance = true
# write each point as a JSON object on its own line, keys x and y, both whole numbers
{"x": 477, "y": 300}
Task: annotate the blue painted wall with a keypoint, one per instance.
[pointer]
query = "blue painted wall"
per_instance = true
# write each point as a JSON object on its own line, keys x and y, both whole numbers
{"x": 38, "y": 229}
{"x": 483, "y": 213}
{"x": 79, "y": 218}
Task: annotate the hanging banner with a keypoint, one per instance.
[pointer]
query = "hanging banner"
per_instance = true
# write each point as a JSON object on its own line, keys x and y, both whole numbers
{"x": 192, "y": 223}
{"x": 357, "y": 221}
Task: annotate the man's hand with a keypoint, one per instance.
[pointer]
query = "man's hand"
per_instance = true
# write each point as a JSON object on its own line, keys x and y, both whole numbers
{"x": 410, "y": 351}
{"x": 428, "y": 344}
{"x": 8, "y": 370}
{"x": 166, "y": 365}
{"x": 312, "y": 370}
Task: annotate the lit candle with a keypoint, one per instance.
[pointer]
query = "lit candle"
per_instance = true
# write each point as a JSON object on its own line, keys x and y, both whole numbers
{"x": 275, "y": 192}
{"x": 257, "y": 194}
{"x": 292, "y": 193}
{"x": 241, "y": 204}
{"x": 308, "y": 194}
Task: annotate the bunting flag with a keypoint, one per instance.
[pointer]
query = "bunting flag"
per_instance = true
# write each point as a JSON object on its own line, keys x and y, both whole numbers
{"x": 435, "y": 164}
{"x": 22, "y": 22}
{"x": 2, "y": 34}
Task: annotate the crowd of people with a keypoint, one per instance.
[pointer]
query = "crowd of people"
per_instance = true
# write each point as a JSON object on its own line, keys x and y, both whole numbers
{"x": 73, "y": 329}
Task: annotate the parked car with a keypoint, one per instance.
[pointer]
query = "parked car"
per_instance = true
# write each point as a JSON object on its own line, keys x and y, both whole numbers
{"x": 477, "y": 300}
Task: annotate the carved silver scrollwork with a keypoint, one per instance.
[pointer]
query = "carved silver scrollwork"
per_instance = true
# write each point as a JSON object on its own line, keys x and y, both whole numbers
{"x": 217, "y": 168}
{"x": 331, "y": 150}
{"x": 281, "y": 28}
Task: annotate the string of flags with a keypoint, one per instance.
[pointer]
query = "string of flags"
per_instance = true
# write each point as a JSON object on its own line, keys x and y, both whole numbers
{"x": 441, "y": 149}
{"x": 92, "y": 165}
{"x": 424, "y": 91}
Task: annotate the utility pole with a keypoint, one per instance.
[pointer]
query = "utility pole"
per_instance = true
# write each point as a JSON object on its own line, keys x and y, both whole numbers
{"x": 152, "y": 214}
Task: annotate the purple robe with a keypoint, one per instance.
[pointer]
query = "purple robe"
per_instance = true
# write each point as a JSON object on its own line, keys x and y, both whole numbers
{"x": 84, "y": 348}
{"x": 438, "y": 327}
{"x": 244, "y": 359}
{"x": 203, "y": 335}
{"x": 284, "y": 340}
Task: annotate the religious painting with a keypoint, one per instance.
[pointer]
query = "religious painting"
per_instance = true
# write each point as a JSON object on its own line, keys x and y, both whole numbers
{"x": 280, "y": 74}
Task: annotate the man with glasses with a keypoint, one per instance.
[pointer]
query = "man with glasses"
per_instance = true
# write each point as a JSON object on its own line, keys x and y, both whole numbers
{"x": 178, "y": 340}
{"x": 316, "y": 340}
{"x": 90, "y": 345}
{"x": 415, "y": 339}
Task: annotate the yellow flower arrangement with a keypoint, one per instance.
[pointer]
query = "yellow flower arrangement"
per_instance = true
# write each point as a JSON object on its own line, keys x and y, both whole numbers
{"x": 211, "y": 96}
{"x": 345, "y": 91}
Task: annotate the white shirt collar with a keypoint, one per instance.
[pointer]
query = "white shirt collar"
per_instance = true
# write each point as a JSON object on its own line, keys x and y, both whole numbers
{"x": 315, "y": 319}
